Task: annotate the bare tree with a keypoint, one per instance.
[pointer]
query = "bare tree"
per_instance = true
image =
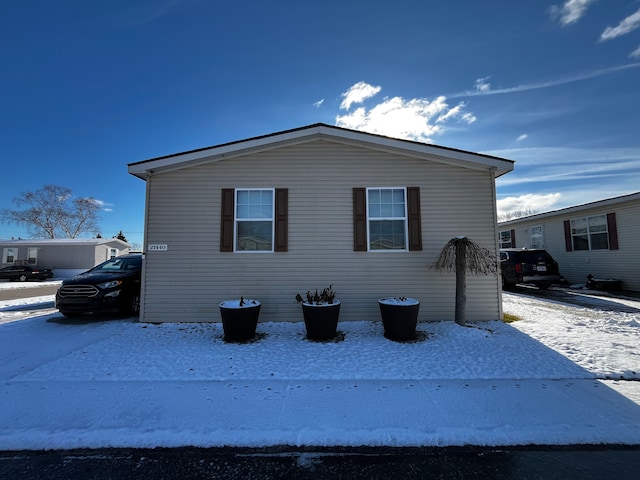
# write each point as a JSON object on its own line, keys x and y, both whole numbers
{"x": 464, "y": 255}
{"x": 510, "y": 215}
{"x": 53, "y": 212}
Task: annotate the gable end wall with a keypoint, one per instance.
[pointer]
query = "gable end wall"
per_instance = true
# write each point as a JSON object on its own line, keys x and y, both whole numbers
{"x": 190, "y": 279}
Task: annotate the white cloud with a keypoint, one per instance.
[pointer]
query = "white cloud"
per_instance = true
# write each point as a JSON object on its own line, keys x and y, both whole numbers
{"x": 524, "y": 136}
{"x": 535, "y": 202}
{"x": 358, "y": 93}
{"x": 104, "y": 206}
{"x": 635, "y": 53}
{"x": 551, "y": 83}
{"x": 627, "y": 25}
{"x": 482, "y": 85}
{"x": 570, "y": 12}
{"x": 413, "y": 119}
{"x": 319, "y": 103}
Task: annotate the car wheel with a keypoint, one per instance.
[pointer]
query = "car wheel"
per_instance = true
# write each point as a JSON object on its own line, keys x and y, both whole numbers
{"x": 22, "y": 278}
{"x": 506, "y": 285}
{"x": 543, "y": 286}
{"x": 133, "y": 306}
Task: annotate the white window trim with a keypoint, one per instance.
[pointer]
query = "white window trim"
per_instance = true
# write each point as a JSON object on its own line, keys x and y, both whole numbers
{"x": 405, "y": 219}
{"x": 500, "y": 242}
{"x": 589, "y": 233}
{"x": 31, "y": 250}
{"x": 235, "y": 219}
{"x": 541, "y": 236}
{"x": 5, "y": 254}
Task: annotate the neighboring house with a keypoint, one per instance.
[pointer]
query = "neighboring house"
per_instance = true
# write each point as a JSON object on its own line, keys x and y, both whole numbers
{"x": 599, "y": 238}
{"x": 66, "y": 256}
{"x": 276, "y": 215}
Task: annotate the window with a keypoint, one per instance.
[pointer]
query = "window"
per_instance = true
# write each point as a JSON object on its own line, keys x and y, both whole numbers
{"x": 537, "y": 240}
{"x": 386, "y": 219}
{"x": 590, "y": 233}
{"x": 113, "y": 253}
{"x": 254, "y": 220}
{"x": 32, "y": 256}
{"x": 506, "y": 239}
{"x": 9, "y": 255}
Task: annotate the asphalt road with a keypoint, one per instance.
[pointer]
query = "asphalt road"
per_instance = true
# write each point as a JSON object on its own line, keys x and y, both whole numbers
{"x": 524, "y": 463}
{"x": 28, "y": 291}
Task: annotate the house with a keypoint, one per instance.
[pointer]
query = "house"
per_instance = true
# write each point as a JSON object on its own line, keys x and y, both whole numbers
{"x": 66, "y": 256}
{"x": 600, "y": 238}
{"x": 280, "y": 214}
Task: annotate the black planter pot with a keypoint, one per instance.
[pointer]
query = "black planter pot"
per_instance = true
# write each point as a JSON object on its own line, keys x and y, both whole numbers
{"x": 321, "y": 321}
{"x": 399, "y": 319}
{"x": 239, "y": 323}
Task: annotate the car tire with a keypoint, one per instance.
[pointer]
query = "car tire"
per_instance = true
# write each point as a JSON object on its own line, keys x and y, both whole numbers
{"x": 132, "y": 307}
{"x": 135, "y": 304}
{"x": 70, "y": 314}
{"x": 543, "y": 286}
{"x": 507, "y": 286}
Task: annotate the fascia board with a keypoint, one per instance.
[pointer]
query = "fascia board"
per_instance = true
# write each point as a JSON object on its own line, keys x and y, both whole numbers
{"x": 376, "y": 142}
{"x": 575, "y": 209}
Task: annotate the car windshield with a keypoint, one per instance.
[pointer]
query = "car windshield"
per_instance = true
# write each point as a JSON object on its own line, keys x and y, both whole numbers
{"x": 119, "y": 265}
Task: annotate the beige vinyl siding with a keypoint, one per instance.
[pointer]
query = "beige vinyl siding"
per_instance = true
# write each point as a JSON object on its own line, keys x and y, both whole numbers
{"x": 622, "y": 264}
{"x": 190, "y": 279}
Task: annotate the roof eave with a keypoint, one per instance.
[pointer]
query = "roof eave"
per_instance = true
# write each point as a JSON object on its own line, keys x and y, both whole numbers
{"x": 145, "y": 168}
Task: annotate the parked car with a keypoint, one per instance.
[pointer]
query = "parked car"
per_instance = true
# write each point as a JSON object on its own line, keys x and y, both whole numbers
{"x": 525, "y": 266}
{"x": 23, "y": 273}
{"x": 112, "y": 286}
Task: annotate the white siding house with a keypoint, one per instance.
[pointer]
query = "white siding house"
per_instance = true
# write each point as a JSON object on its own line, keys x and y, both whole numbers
{"x": 600, "y": 238}
{"x": 66, "y": 256}
{"x": 281, "y": 214}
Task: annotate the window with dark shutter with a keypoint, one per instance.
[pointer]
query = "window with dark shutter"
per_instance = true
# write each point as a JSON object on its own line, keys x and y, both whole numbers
{"x": 612, "y": 227}
{"x": 250, "y": 218}
{"x": 414, "y": 218}
{"x": 359, "y": 220}
{"x": 226, "y": 221}
{"x": 281, "y": 219}
{"x": 568, "y": 244}
{"x": 386, "y": 219}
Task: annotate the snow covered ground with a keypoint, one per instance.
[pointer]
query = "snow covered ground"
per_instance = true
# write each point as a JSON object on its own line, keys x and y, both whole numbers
{"x": 564, "y": 374}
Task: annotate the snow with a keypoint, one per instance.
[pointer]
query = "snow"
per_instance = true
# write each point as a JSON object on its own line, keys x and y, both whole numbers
{"x": 399, "y": 301}
{"x": 240, "y": 303}
{"x": 564, "y": 374}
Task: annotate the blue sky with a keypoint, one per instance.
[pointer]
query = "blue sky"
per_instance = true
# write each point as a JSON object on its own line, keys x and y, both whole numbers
{"x": 88, "y": 87}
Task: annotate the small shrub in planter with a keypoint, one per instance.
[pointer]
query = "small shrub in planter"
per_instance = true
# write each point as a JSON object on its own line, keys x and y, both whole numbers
{"x": 239, "y": 319}
{"x": 320, "y": 311}
{"x": 399, "y": 317}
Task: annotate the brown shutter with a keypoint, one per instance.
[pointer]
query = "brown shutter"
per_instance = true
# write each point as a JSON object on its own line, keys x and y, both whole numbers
{"x": 567, "y": 236}
{"x": 613, "y": 231}
{"x": 414, "y": 222}
{"x": 281, "y": 226}
{"x": 226, "y": 220}
{"x": 359, "y": 220}
{"x": 513, "y": 238}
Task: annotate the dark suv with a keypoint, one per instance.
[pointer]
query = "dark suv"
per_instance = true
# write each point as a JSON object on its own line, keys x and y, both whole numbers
{"x": 111, "y": 286}
{"x": 535, "y": 267}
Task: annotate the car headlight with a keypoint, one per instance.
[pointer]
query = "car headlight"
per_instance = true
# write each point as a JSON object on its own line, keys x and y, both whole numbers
{"x": 111, "y": 284}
